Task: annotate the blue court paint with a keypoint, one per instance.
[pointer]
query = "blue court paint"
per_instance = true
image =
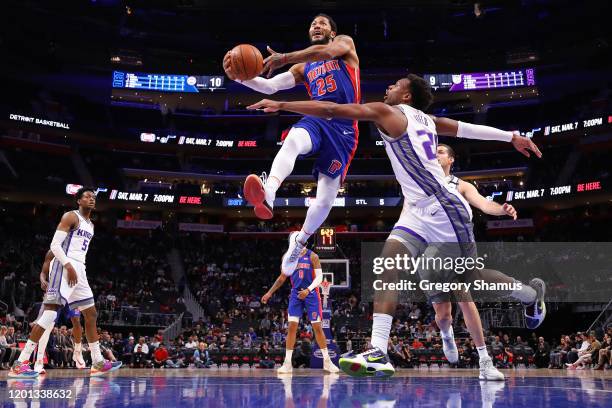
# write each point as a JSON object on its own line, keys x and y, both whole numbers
{"x": 199, "y": 390}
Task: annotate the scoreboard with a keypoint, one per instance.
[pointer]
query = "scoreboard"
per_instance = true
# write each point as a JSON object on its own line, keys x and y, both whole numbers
{"x": 482, "y": 80}
{"x": 326, "y": 240}
{"x": 167, "y": 83}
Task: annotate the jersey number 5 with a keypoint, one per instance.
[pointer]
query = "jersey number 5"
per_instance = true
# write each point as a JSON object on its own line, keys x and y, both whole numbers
{"x": 429, "y": 145}
{"x": 326, "y": 85}
{"x": 85, "y": 243}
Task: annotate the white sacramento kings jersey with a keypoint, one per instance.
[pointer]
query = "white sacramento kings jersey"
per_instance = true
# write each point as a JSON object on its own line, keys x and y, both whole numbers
{"x": 452, "y": 184}
{"x": 77, "y": 242}
{"x": 413, "y": 158}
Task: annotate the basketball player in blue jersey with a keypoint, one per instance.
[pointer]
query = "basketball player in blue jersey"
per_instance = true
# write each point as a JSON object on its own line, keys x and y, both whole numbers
{"x": 432, "y": 212}
{"x": 69, "y": 285}
{"x": 305, "y": 281}
{"x": 73, "y": 315}
{"x": 330, "y": 71}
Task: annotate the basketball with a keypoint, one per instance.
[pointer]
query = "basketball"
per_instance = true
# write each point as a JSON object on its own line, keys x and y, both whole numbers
{"x": 247, "y": 61}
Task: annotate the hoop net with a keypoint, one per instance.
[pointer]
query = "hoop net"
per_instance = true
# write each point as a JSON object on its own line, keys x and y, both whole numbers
{"x": 325, "y": 289}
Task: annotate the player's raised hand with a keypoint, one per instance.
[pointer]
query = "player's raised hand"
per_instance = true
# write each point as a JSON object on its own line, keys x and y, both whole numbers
{"x": 267, "y": 105}
{"x": 265, "y": 298}
{"x": 509, "y": 210}
{"x": 72, "y": 275}
{"x": 227, "y": 66}
{"x": 524, "y": 145}
{"x": 273, "y": 62}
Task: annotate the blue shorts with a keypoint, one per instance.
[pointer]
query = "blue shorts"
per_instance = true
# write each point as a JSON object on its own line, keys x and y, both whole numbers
{"x": 312, "y": 304}
{"x": 74, "y": 313}
{"x": 335, "y": 141}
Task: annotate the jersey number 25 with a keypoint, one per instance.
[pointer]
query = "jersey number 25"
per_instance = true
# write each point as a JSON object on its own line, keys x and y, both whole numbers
{"x": 326, "y": 85}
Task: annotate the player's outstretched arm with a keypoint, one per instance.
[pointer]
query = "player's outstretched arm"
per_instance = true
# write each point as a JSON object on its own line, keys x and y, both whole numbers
{"x": 338, "y": 48}
{"x": 475, "y": 199}
{"x": 385, "y": 116}
{"x": 268, "y": 86}
{"x": 451, "y": 127}
{"x": 277, "y": 284}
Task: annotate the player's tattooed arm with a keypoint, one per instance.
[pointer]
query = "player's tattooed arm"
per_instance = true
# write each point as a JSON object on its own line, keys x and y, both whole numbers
{"x": 338, "y": 48}
{"x": 277, "y": 284}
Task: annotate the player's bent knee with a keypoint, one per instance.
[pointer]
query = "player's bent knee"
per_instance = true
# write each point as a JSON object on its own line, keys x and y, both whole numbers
{"x": 47, "y": 319}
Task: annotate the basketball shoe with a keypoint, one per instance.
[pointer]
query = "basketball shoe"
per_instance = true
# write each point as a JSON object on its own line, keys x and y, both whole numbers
{"x": 535, "y": 312}
{"x": 255, "y": 194}
{"x": 371, "y": 363}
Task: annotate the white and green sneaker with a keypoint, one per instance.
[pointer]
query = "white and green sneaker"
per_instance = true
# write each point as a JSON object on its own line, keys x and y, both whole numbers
{"x": 371, "y": 363}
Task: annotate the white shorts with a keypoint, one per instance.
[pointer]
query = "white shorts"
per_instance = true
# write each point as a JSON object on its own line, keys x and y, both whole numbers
{"x": 60, "y": 293}
{"x": 437, "y": 226}
{"x": 441, "y": 218}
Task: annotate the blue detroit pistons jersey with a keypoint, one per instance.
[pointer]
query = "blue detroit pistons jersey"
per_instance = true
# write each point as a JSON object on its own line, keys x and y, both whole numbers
{"x": 304, "y": 273}
{"x": 333, "y": 81}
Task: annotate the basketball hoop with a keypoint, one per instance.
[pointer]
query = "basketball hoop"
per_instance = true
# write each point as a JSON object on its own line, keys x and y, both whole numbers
{"x": 325, "y": 289}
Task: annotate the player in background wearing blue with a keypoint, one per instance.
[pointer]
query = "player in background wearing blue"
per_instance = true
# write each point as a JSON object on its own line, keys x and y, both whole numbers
{"x": 330, "y": 71}
{"x": 73, "y": 315}
{"x": 305, "y": 281}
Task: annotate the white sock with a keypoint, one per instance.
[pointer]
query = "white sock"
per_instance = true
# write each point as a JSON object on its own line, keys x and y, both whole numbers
{"x": 325, "y": 354}
{"x": 78, "y": 348}
{"x": 303, "y": 236}
{"x": 288, "y": 355}
{"x": 96, "y": 355}
{"x": 482, "y": 352}
{"x": 272, "y": 184}
{"x": 447, "y": 334}
{"x": 42, "y": 345}
{"x": 526, "y": 294}
{"x": 297, "y": 142}
{"x": 381, "y": 327}
{"x": 27, "y": 351}
{"x": 327, "y": 191}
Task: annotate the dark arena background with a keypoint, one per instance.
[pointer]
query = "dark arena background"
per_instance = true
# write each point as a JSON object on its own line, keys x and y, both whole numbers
{"x": 130, "y": 98}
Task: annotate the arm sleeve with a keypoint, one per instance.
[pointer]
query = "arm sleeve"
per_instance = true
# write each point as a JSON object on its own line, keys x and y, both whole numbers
{"x": 286, "y": 80}
{"x": 480, "y": 132}
{"x": 56, "y": 246}
{"x": 317, "y": 280}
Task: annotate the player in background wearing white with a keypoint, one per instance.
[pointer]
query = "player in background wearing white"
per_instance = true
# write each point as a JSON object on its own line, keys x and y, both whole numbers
{"x": 69, "y": 285}
{"x": 304, "y": 296}
{"x": 329, "y": 69}
{"x": 432, "y": 213}
{"x": 531, "y": 296}
{"x": 75, "y": 318}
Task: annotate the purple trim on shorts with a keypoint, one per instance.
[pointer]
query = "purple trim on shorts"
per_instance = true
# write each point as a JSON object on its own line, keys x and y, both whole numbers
{"x": 56, "y": 264}
{"x": 437, "y": 187}
{"x": 79, "y": 301}
{"x": 411, "y": 232}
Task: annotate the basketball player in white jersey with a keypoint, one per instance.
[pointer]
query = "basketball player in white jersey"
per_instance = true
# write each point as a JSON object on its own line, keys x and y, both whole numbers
{"x": 75, "y": 318}
{"x": 531, "y": 296}
{"x": 69, "y": 285}
{"x": 432, "y": 213}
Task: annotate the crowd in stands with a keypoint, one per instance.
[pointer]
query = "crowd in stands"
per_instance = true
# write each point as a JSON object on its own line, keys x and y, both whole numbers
{"x": 229, "y": 286}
